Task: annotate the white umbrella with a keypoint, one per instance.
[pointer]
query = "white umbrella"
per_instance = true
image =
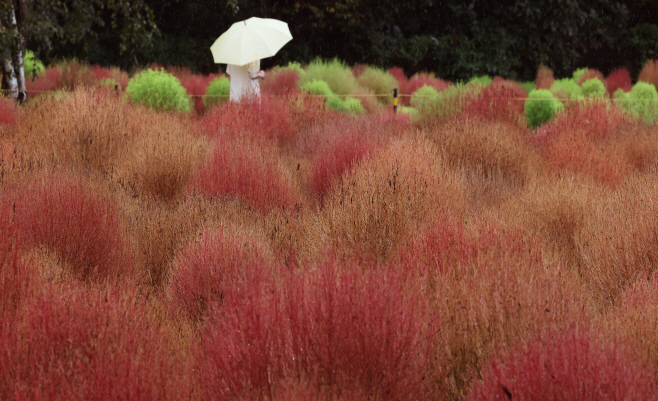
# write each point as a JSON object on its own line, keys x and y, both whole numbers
{"x": 250, "y": 40}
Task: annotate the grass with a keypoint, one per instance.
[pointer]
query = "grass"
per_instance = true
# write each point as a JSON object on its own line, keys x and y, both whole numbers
{"x": 282, "y": 250}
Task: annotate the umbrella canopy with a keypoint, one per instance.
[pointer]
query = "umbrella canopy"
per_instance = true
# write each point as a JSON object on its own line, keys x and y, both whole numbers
{"x": 250, "y": 40}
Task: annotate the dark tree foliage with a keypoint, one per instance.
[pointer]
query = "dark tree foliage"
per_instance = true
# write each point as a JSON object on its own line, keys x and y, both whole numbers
{"x": 455, "y": 39}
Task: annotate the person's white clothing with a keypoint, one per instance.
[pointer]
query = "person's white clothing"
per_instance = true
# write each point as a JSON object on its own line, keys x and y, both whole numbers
{"x": 244, "y": 80}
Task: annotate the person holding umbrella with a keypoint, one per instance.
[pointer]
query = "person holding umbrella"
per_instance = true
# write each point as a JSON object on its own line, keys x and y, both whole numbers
{"x": 244, "y": 80}
{"x": 242, "y": 47}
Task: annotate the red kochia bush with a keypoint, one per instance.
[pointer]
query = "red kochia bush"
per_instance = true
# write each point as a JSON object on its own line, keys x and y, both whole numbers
{"x": 591, "y": 73}
{"x": 618, "y": 79}
{"x": 596, "y": 119}
{"x": 81, "y": 344}
{"x": 572, "y": 365}
{"x": 267, "y": 119}
{"x": 444, "y": 245}
{"x": 545, "y": 78}
{"x": 14, "y": 275}
{"x": 409, "y": 86}
{"x": 649, "y": 73}
{"x": 499, "y": 101}
{"x": 100, "y": 73}
{"x": 8, "y": 111}
{"x": 334, "y": 330}
{"x": 247, "y": 171}
{"x": 341, "y": 155}
{"x": 215, "y": 264}
{"x": 575, "y": 140}
{"x": 79, "y": 226}
{"x": 49, "y": 81}
{"x": 283, "y": 83}
{"x": 196, "y": 86}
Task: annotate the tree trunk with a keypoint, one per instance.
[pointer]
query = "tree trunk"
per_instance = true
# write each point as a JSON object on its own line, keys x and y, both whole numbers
{"x": 12, "y": 59}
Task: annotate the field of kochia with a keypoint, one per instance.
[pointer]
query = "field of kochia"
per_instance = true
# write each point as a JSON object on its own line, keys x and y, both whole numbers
{"x": 295, "y": 247}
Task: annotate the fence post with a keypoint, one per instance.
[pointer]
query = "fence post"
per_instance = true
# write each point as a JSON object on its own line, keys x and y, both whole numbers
{"x": 395, "y": 100}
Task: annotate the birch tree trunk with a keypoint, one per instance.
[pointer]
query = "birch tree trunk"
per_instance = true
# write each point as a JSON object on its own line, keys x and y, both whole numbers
{"x": 12, "y": 58}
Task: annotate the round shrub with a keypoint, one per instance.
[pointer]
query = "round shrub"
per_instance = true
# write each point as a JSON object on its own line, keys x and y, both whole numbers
{"x": 483, "y": 80}
{"x": 218, "y": 91}
{"x": 423, "y": 97}
{"x": 541, "y": 106}
{"x": 109, "y": 83}
{"x": 347, "y": 105}
{"x": 335, "y": 73}
{"x": 317, "y": 87}
{"x": 379, "y": 82}
{"x": 579, "y": 73}
{"x": 572, "y": 365}
{"x": 32, "y": 66}
{"x": 294, "y": 66}
{"x": 641, "y": 101}
{"x": 594, "y": 88}
{"x": 158, "y": 90}
{"x": 568, "y": 86}
{"x": 449, "y": 102}
{"x": 528, "y": 86}
{"x": 352, "y": 105}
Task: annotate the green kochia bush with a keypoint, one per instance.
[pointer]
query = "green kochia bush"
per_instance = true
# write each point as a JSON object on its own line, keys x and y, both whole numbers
{"x": 159, "y": 90}
{"x": 542, "y": 109}
{"x": 528, "y": 86}
{"x": 218, "y": 91}
{"x": 428, "y": 101}
{"x": 346, "y": 105}
{"x": 594, "y": 88}
{"x": 641, "y": 101}
{"x": 579, "y": 73}
{"x": 380, "y": 82}
{"x": 569, "y": 86}
{"x": 483, "y": 80}
{"x": 336, "y": 74}
{"x": 32, "y": 66}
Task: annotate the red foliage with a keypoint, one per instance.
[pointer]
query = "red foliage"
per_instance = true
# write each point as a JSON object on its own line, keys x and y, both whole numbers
{"x": 15, "y": 276}
{"x": 196, "y": 86}
{"x": 576, "y": 152}
{"x": 49, "y": 81}
{"x": 398, "y": 73}
{"x": 267, "y": 119}
{"x": 358, "y": 69}
{"x": 499, "y": 101}
{"x": 249, "y": 172}
{"x": 571, "y": 365}
{"x": 419, "y": 80}
{"x": 544, "y": 78}
{"x": 618, "y": 79}
{"x": 441, "y": 246}
{"x": 217, "y": 264}
{"x": 596, "y": 119}
{"x": 591, "y": 74}
{"x": 100, "y": 73}
{"x": 341, "y": 155}
{"x": 649, "y": 73}
{"x": 573, "y": 141}
{"x": 444, "y": 245}
{"x": 284, "y": 83}
{"x": 81, "y": 344}
{"x": 409, "y": 86}
{"x": 334, "y": 331}
{"x": 82, "y": 228}
{"x": 8, "y": 111}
